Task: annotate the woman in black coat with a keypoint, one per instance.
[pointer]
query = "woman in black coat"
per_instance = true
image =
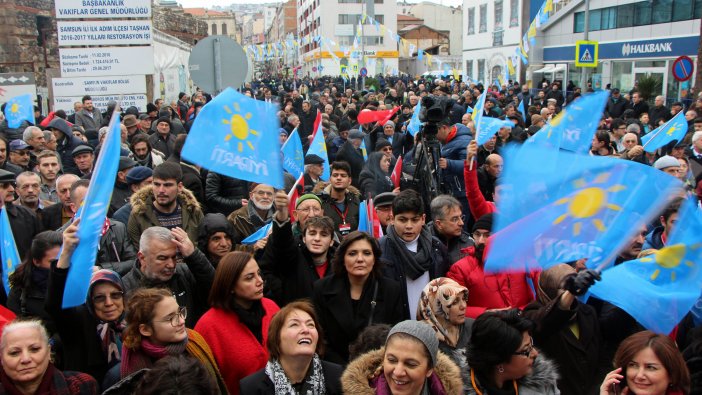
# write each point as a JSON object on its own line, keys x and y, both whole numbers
{"x": 375, "y": 176}
{"x": 357, "y": 295}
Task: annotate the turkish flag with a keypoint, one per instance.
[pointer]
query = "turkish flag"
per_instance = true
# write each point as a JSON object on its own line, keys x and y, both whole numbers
{"x": 397, "y": 173}
{"x": 376, "y": 116}
{"x": 295, "y": 193}
{"x": 317, "y": 121}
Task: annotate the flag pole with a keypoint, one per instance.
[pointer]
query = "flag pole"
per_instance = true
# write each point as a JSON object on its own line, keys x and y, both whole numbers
{"x": 294, "y": 187}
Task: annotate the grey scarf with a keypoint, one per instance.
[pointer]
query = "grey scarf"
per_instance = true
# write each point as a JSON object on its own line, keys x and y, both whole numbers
{"x": 313, "y": 385}
{"x": 415, "y": 264}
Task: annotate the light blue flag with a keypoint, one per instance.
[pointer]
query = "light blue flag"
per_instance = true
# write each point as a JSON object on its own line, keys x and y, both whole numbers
{"x": 319, "y": 147}
{"x": 479, "y": 107}
{"x": 488, "y": 127}
{"x": 420, "y": 54}
{"x": 293, "y": 155}
{"x": 92, "y": 218}
{"x": 666, "y": 284}
{"x": 9, "y": 255}
{"x": 674, "y": 129}
{"x": 469, "y": 110}
{"x": 589, "y": 208}
{"x": 364, "y": 151}
{"x": 18, "y": 109}
{"x": 523, "y": 110}
{"x": 415, "y": 125}
{"x": 364, "y": 225}
{"x": 237, "y": 136}
{"x": 573, "y": 128}
{"x": 259, "y": 234}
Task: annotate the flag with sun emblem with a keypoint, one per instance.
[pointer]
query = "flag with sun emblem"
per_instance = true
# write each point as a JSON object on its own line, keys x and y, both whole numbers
{"x": 237, "y": 136}
{"x": 18, "y": 109}
{"x": 667, "y": 283}
{"x": 576, "y": 207}
{"x": 319, "y": 147}
{"x": 10, "y": 256}
{"x": 674, "y": 129}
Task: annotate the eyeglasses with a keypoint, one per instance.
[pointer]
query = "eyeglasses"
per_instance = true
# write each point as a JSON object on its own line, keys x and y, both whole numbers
{"x": 528, "y": 350}
{"x": 314, "y": 210}
{"x": 456, "y": 219}
{"x": 101, "y": 299}
{"x": 175, "y": 318}
{"x": 477, "y": 235}
{"x": 263, "y": 193}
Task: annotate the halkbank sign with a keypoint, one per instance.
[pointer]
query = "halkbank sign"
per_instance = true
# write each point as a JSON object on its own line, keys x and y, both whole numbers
{"x": 636, "y": 49}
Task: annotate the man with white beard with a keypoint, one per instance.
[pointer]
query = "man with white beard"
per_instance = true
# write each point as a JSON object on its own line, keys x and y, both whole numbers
{"x": 251, "y": 217}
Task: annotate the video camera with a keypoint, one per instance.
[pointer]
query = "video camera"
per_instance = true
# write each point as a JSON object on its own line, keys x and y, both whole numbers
{"x": 435, "y": 108}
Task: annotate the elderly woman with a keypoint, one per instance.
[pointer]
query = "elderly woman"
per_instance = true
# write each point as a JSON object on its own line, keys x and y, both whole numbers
{"x": 375, "y": 176}
{"x": 28, "y": 283}
{"x": 27, "y": 367}
{"x": 295, "y": 365}
{"x": 647, "y": 363}
{"x": 91, "y": 333}
{"x": 357, "y": 295}
{"x": 442, "y": 305}
{"x": 157, "y": 329}
{"x": 409, "y": 364}
{"x": 236, "y": 325}
{"x": 502, "y": 358}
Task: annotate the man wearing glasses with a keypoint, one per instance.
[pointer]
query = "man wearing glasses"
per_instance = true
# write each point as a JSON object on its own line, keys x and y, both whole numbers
{"x": 251, "y": 217}
{"x": 19, "y": 154}
{"x": 447, "y": 225}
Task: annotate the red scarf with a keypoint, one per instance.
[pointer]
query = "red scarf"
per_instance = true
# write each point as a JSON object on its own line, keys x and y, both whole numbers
{"x": 45, "y": 387}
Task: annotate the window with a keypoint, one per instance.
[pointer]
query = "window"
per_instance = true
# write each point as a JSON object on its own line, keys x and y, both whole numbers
{"x": 579, "y": 22}
{"x": 471, "y": 20}
{"x": 609, "y": 18}
{"x": 642, "y": 14}
{"x": 352, "y": 19}
{"x": 513, "y": 13}
{"x": 682, "y": 10}
{"x": 498, "y": 14}
{"x": 469, "y": 68}
{"x": 481, "y": 70}
{"x": 224, "y": 29}
{"x": 483, "y": 18}
{"x": 625, "y": 15}
{"x": 698, "y": 9}
{"x": 595, "y": 20}
{"x": 662, "y": 11}
{"x": 367, "y": 40}
{"x": 214, "y": 29}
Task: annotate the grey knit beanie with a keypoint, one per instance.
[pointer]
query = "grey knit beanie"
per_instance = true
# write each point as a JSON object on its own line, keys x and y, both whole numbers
{"x": 422, "y": 332}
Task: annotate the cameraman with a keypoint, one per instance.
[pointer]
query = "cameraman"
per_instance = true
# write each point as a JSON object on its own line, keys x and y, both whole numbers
{"x": 454, "y": 140}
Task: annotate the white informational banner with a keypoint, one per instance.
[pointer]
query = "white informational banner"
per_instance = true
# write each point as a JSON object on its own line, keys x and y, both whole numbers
{"x": 116, "y": 85}
{"x": 66, "y": 102}
{"x": 75, "y": 9}
{"x": 106, "y": 61}
{"x": 95, "y": 33}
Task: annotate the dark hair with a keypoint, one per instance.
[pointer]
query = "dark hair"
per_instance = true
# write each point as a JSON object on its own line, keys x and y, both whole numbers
{"x": 82, "y": 183}
{"x": 226, "y": 276}
{"x": 140, "y": 138}
{"x": 61, "y": 114}
{"x": 666, "y": 351}
{"x": 174, "y": 375}
{"x": 41, "y": 244}
{"x": 408, "y": 201}
{"x": 86, "y": 98}
{"x": 496, "y": 336}
{"x": 616, "y": 123}
{"x": 672, "y": 208}
{"x": 338, "y": 266}
{"x": 371, "y": 338}
{"x": 168, "y": 171}
{"x": 278, "y": 321}
{"x": 323, "y": 223}
{"x": 341, "y": 165}
{"x": 603, "y": 136}
{"x": 140, "y": 310}
{"x": 178, "y": 145}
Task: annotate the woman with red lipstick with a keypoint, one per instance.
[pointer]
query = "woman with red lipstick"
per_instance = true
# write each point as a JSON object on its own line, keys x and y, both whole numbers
{"x": 236, "y": 325}
{"x": 156, "y": 329}
{"x": 295, "y": 365}
{"x": 648, "y": 364}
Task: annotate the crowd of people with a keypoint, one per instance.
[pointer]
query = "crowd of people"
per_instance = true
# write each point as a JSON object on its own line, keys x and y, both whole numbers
{"x": 178, "y": 298}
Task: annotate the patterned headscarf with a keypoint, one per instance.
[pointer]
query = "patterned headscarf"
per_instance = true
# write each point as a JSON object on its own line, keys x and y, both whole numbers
{"x": 437, "y": 297}
{"x": 110, "y": 333}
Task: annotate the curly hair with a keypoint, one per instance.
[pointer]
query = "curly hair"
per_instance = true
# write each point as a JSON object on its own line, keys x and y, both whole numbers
{"x": 140, "y": 310}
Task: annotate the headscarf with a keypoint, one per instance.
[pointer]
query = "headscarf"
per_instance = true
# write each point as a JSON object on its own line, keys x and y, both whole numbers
{"x": 110, "y": 333}
{"x": 437, "y": 297}
{"x": 551, "y": 282}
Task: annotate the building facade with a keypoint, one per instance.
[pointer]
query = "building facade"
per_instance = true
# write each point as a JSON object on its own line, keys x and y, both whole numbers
{"x": 218, "y": 22}
{"x": 636, "y": 38}
{"x": 284, "y": 27}
{"x": 337, "y": 20}
{"x": 440, "y": 17}
{"x": 491, "y": 33}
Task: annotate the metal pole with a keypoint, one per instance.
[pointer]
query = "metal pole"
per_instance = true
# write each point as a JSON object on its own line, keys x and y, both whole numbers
{"x": 217, "y": 65}
{"x": 363, "y": 48}
{"x": 586, "y": 31}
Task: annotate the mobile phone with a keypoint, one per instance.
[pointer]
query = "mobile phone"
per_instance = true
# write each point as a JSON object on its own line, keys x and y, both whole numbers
{"x": 615, "y": 389}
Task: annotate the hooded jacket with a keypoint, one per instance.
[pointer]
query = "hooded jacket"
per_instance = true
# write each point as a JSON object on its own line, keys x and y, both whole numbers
{"x": 143, "y": 217}
{"x": 541, "y": 381}
{"x": 358, "y": 375}
{"x": 211, "y": 224}
{"x": 454, "y": 151}
{"x": 66, "y": 146}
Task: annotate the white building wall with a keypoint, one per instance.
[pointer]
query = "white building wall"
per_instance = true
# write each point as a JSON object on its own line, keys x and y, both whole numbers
{"x": 441, "y": 17}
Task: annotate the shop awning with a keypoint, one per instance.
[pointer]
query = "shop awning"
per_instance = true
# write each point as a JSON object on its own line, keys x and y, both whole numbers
{"x": 551, "y": 69}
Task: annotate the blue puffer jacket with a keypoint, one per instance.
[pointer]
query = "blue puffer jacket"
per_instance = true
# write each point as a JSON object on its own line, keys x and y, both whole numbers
{"x": 454, "y": 152}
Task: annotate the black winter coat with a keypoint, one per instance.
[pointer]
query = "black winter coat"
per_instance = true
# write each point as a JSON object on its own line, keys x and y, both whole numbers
{"x": 287, "y": 266}
{"x": 353, "y": 156}
{"x": 343, "y": 319}
{"x": 25, "y": 225}
{"x": 223, "y": 194}
{"x": 52, "y": 217}
{"x": 260, "y": 384}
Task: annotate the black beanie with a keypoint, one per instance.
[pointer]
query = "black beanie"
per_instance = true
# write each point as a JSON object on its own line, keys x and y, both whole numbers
{"x": 484, "y": 222}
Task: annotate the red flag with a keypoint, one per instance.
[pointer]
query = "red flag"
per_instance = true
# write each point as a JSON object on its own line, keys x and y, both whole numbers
{"x": 374, "y": 220}
{"x": 397, "y": 173}
{"x": 376, "y": 116}
{"x": 294, "y": 194}
{"x": 317, "y": 121}
{"x": 6, "y": 316}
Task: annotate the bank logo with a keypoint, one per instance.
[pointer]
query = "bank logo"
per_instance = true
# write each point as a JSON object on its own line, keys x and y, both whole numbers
{"x": 626, "y": 49}
{"x": 646, "y": 48}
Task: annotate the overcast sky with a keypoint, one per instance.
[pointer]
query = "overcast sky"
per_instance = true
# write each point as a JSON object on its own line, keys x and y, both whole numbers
{"x": 199, "y": 3}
